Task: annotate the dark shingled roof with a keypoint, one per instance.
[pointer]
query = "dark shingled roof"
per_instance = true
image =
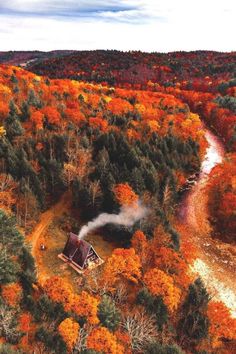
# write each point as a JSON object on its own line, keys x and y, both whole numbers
{"x": 77, "y": 250}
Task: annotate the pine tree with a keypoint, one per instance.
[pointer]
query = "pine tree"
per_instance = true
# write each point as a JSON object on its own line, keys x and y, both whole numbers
{"x": 10, "y": 237}
{"x": 158, "y": 348}
{"x": 8, "y": 268}
{"x": 108, "y": 315}
{"x": 12, "y": 124}
{"x": 154, "y": 305}
{"x": 25, "y": 112}
{"x": 193, "y": 325}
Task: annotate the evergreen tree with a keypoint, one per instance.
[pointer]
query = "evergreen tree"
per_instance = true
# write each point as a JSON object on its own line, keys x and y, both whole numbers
{"x": 8, "y": 268}
{"x": 14, "y": 79}
{"x": 33, "y": 99}
{"x": 27, "y": 260}
{"x": 52, "y": 341}
{"x": 10, "y": 237}
{"x": 158, "y": 348}
{"x": 154, "y": 305}
{"x": 193, "y": 325}
{"x": 47, "y": 310}
{"x": 12, "y": 124}
{"x": 25, "y": 112}
{"x": 108, "y": 315}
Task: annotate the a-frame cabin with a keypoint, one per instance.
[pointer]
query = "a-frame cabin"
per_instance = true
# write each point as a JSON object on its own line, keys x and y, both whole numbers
{"x": 79, "y": 254}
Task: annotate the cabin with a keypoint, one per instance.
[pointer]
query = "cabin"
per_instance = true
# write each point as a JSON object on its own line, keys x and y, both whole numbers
{"x": 79, "y": 254}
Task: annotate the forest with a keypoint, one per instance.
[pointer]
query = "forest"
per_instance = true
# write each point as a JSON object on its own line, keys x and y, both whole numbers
{"x": 91, "y": 132}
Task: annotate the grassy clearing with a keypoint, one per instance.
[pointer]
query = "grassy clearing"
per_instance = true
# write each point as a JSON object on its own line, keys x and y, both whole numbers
{"x": 54, "y": 239}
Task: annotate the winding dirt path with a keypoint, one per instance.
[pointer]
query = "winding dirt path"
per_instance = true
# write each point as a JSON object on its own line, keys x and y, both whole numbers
{"x": 216, "y": 262}
{"x": 40, "y": 230}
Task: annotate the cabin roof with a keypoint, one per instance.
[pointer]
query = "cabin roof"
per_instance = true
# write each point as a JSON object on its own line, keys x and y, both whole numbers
{"x": 77, "y": 250}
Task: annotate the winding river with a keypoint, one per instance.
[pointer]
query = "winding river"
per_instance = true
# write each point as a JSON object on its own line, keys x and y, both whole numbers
{"x": 216, "y": 260}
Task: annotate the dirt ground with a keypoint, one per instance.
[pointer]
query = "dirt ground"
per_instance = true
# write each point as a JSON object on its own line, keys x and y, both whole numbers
{"x": 49, "y": 231}
{"x": 216, "y": 262}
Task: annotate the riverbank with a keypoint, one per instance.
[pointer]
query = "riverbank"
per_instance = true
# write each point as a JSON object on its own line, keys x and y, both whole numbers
{"x": 216, "y": 261}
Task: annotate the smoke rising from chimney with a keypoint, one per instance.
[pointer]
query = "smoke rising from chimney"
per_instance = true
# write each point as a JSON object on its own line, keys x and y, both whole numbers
{"x": 127, "y": 216}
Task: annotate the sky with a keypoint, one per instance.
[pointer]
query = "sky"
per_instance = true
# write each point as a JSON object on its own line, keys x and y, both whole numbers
{"x": 147, "y": 25}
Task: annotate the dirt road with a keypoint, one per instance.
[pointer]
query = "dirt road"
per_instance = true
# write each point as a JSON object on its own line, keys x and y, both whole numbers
{"x": 216, "y": 262}
{"x": 46, "y": 219}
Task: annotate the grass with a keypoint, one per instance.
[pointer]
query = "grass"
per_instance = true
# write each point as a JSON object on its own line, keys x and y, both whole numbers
{"x": 55, "y": 238}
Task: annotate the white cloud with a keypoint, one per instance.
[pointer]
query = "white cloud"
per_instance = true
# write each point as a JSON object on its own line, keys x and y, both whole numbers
{"x": 149, "y": 26}
{"x": 65, "y": 7}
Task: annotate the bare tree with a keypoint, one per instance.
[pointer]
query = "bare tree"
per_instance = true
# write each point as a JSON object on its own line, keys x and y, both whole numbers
{"x": 93, "y": 282}
{"x": 8, "y": 325}
{"x": 167, "y": 198}
{"x": 95, "y": 190}
{"x": 121, "y": 293}
{"x": 39, "y": 348}
{"x": 80, "y": 345}
{"x": 141, "y": 328}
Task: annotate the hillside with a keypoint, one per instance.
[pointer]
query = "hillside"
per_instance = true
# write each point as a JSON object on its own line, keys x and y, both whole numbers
{"x": 24, "y": 57}
{"x": 204, "y": 80}
{"x": 200, "y": 70}
{"x": 77, "y": 139}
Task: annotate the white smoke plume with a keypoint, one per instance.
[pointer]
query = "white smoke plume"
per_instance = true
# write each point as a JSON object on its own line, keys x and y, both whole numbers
{"x": 127, "y": 216}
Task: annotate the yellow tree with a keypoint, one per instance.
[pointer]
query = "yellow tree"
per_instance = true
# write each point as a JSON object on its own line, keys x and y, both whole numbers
{"x": 2, "y": 131}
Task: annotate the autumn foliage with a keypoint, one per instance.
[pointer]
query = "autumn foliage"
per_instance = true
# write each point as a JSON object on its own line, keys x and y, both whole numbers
{"x": 128, "y": 126}
{"x": 69, "y": 330}
{"x": 123, "y": 265}
{"x": 12, "y": 293}
{"x": 86, "y": 306}
{"x": 125, "y": 195}
{"x": 159, "y": 283}
{"x": 222, "y": 197}
{"x": 140, "y": 244}
{"x": 222, "y": 325}
{"x": 83, "y": 305}
{"x": 59, "y": 291}
{"x": 101, "y": 340}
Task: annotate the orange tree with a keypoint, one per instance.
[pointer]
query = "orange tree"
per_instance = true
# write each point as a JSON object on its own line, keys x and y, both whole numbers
{"x": 69, "y": 330}
{"x": 12, "y": 293}
{"x": 101, "y": 340}
{"x": 140, "y": 243}
{"x": 86, "y": 306}
{"x": 159, "y": 283}
{"x": 172, "y": 263}
{"x": 123, "y": 264}
{"x": 222, "y": 325}
{"x": 59, "y": 291}
{"x": 124, "y": 194}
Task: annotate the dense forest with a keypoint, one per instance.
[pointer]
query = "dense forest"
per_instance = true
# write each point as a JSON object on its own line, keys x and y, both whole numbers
{"x": 109, "y": 129}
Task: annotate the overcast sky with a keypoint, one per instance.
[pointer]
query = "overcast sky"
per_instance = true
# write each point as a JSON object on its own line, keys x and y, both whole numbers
{"x": 151, "y": 25}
